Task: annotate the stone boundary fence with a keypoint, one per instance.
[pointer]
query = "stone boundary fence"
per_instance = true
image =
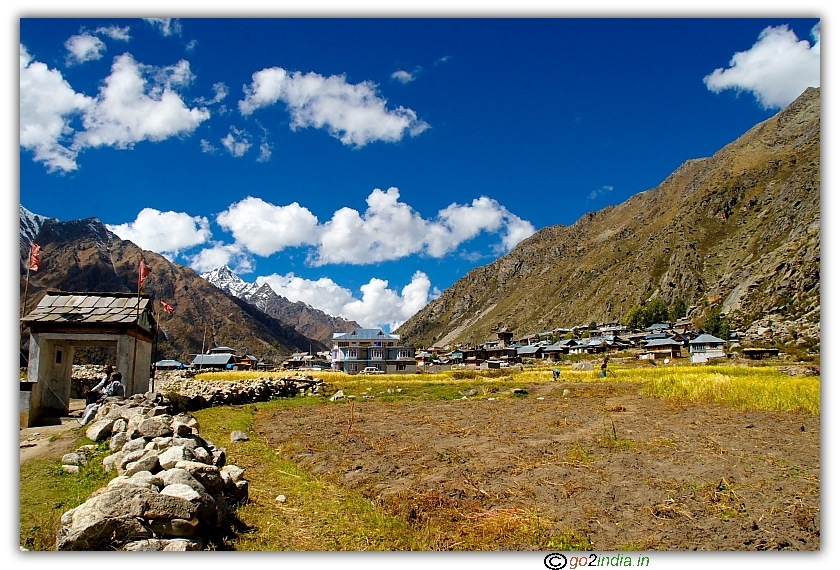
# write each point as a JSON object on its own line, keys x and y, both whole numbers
{"x": 173, "y": 489}
{"x": 197, "y": 394}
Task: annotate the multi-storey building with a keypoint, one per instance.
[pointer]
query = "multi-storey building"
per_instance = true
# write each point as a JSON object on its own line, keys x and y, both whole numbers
{"x": 363, "y": 348}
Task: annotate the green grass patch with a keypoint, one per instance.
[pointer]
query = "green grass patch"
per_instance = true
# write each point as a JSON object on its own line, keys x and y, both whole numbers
{"x": 571, "y": 541}
{"x": 47, "y": 492}
{"x": 579, "y": 455}
{"x": 617, "y": 443}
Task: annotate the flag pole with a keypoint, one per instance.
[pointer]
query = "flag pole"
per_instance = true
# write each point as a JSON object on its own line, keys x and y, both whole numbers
{"x": 26, "y": 287}
{"x": 134, "y": 357}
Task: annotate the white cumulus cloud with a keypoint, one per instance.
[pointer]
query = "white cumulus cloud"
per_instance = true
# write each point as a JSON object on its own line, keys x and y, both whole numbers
{"x": 83, "y": 47}
{"x": 402, "y": 76}
{"x": 167, "y": 26}
{"x": 377, "y": 306}
{"x": 114, "y": 32}
{"x": 139, "y": 102}
{"x": 601, "y": 191}
{"x": 776, "y": 69}
{"x": 264, "y": 228}
{"x": 265, "y": 152}
{"x": 48, "y": 104}
{"x": 237, "y": 142}
{"x": 387, "y": 230}
{"x": 352, "y": 113}
{"x": 221, "y": 254}
{"x": 516, "y": 230}
{"x": 164, "y": 232}
{"x": 220, "y": 90}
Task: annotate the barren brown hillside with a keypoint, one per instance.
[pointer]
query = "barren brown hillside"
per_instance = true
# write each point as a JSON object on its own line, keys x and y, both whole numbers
{"x": 739, "y": 231}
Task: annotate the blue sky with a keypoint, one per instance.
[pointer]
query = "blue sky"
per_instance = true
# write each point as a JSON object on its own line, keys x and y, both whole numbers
{"x": 365, "y": 165}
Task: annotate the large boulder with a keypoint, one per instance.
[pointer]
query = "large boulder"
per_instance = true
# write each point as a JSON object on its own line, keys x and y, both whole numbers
{"x": 177, "y": 475}
{"x": 157, "y": 426}
{"x": 99, "y": 430}
{"x": 169, "y": 458}
{"x": 103, "y": 533}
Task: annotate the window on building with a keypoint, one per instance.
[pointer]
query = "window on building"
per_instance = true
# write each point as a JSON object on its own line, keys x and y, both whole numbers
{"x": 402, "y": 354}
{"x": 400, "y": 367}
{"x": 376, "y": 353}
{"x": 353, "y": 353}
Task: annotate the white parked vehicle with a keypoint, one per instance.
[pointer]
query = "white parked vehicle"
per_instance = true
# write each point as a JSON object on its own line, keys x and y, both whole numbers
{"x": 371, "y": 370}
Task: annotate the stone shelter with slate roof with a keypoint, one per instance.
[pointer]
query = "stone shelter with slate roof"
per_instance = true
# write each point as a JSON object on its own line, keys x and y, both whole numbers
{"x": 63, "y": 321}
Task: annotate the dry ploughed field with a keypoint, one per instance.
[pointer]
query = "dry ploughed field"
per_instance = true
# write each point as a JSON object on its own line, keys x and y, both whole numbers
{"x": 598, "y": 464}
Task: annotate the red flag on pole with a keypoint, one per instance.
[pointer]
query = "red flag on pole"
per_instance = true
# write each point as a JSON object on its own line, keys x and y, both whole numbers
{"x": 144, "y": 272}
{"x": 167, "y": 307}
{"x": 35, "y": 257}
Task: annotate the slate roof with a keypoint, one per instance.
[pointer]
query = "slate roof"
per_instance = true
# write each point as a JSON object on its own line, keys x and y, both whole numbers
{"x": 366, "y": 334}
{"x": 91, "y": 308}
{"x": 168, "y": 364}
{"x": 662, "y": 342}
{"x": 531, "y": 349}
{"x": 212, "y": 359}
{"x": 707, "y": 339}
{"x": 656, "y": 336}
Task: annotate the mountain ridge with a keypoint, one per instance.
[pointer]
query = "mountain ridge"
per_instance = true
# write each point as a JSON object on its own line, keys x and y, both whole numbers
{"x": 306, "y": 319}
{"x": 83, "y": 255}
{"x": 737, "y": 231}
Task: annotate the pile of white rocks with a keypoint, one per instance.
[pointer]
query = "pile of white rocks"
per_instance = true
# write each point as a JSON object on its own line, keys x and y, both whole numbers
{"x": 173, "y": 489}
{"x": 203, "y": 393}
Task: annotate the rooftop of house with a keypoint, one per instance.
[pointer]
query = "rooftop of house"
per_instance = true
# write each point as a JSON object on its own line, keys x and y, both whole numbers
{"x": 212, "y": 359}
{"x": 366, "y": 334}
{"x": 662, "y": 342}
{"x": 91, "y": 308}
{"x": 707, "y": 339}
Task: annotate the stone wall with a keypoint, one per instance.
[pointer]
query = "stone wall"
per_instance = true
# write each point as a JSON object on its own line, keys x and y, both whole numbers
{"x": 173, "y": 490}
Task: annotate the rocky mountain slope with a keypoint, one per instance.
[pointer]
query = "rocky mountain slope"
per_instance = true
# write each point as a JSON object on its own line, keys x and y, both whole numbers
{"x": 83, "y": 255}
{"x": 307, "y": 320}
{"x": 739, "y": 232}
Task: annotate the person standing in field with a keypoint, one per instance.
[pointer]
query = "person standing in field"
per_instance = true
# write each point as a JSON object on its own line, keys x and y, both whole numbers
{"x": 604, "y": 368}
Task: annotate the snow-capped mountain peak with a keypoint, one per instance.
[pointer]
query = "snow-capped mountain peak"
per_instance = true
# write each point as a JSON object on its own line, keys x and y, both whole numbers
{"x": 30, "y": 225}
{"x": 225, "y": 279}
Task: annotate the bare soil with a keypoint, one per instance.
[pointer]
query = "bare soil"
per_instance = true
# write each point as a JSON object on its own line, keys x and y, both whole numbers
{"x": 55, "y": 439}
{"x": 624, "y": 470}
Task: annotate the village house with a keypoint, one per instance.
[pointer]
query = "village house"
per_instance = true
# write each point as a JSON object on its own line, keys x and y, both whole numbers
{"x": 168, "y": 364}
{"x": 354, "y": 351}
{"x": 706, "y": 347}
{"x": 530, "y": 351}
{"x": 661, "y": 348}
{"x": 219, "y": 358}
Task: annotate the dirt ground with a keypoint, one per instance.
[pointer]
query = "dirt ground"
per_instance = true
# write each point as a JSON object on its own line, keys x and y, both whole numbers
{"x": 52, "y": 440}
{"x": 625, "y": 470}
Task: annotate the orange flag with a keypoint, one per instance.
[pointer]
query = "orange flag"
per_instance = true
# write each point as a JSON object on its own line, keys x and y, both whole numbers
{"x": 144, "y": 272}
{"x": 35, "y": 257}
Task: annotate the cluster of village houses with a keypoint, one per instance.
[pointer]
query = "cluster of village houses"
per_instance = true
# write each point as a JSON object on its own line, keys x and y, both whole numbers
{"x": 376, "y": 351}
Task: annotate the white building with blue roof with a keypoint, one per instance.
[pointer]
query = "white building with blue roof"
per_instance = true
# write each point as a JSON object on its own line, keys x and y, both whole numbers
{"x": 354, "y": 351}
